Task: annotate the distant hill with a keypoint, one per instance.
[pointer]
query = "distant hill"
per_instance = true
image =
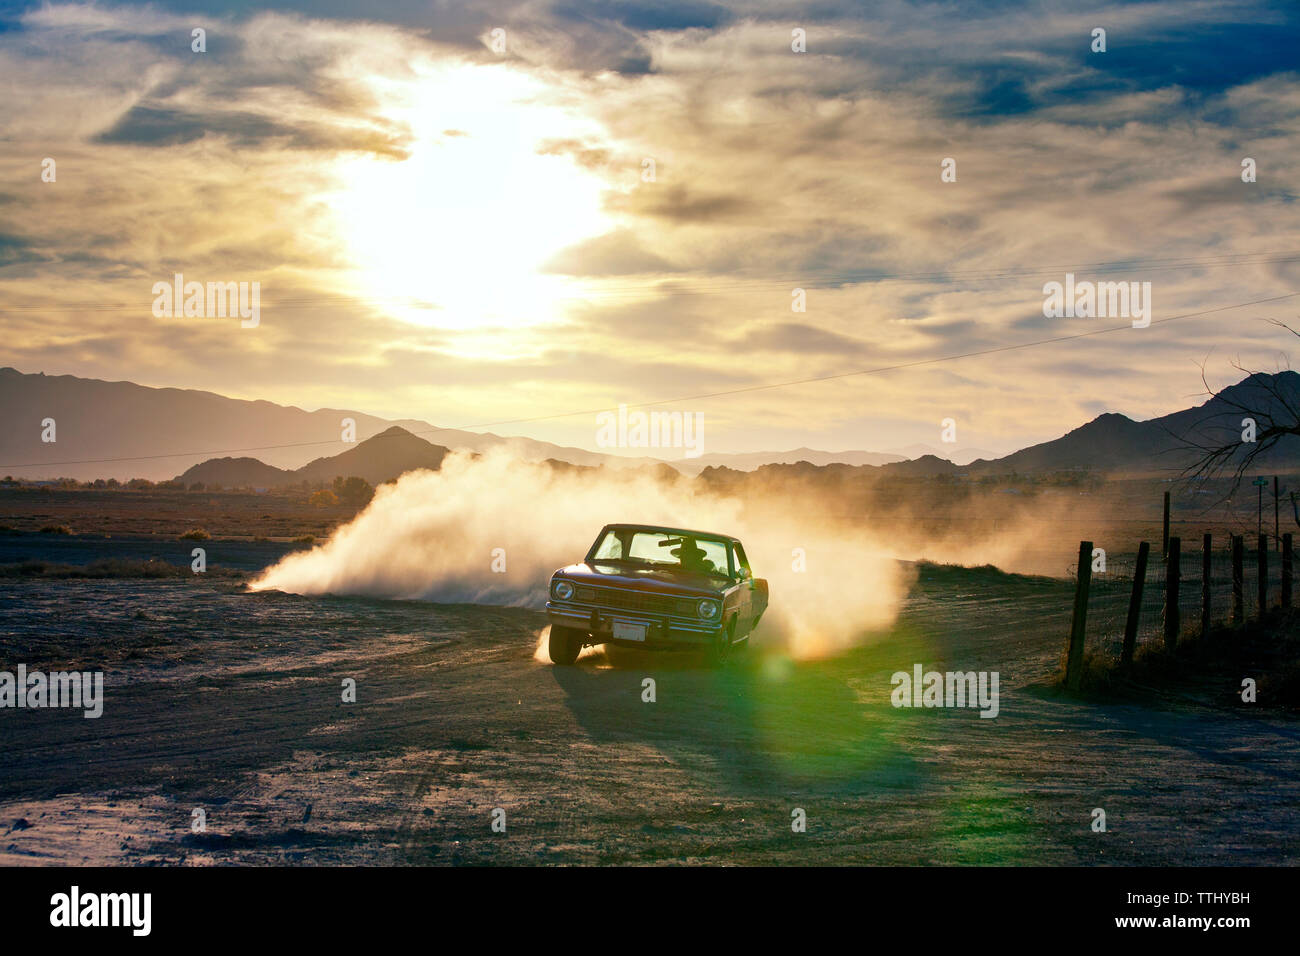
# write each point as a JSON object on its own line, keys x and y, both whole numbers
{"x": 119, "y": 430}
{"x": 236, "y": 473}
{"x": 1109, "y": 444}
{"x": 926, "y": 465}
{"x": 958, "y": 454}
{"x": 1116, "y": 444}
{"x": 381, "y": 458}
{"x": 752, "y": 460}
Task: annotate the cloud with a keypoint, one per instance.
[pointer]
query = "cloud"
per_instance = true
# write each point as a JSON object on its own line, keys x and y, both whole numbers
{"x": 585, "y": 155}
{"x": 775, "y": 170}
{"x": 614, "y": 254}
{"x": 154, "y": 126}
{"x": 799, "y": 337}
{"x": 646, "y": 16}
{"x": 16, "y": 249}
{"x": 682, "y": 204}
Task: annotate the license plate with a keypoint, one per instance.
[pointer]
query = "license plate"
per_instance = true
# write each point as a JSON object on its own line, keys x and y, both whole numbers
{"x": 628, "y": 632}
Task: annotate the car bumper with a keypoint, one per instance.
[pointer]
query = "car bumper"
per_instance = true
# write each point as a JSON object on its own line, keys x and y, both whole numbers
{"x": 661, "y": 632}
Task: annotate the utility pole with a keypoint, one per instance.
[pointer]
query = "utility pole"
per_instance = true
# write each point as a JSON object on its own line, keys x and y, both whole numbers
{"x": 1164, "y": 539}
{"x": 1259, "y": 512}
{"x": 1277, "y": 527}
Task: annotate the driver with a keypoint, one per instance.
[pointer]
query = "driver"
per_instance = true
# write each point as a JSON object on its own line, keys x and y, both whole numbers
{"x": 693, "y": 558}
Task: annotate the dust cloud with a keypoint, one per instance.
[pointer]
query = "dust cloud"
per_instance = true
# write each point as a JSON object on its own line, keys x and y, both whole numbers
{"x": 434, "y": 536}
{"x": 837, "y": 553}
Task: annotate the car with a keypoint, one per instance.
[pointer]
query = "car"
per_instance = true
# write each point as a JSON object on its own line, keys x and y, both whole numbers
{"x": 656, "y": 588}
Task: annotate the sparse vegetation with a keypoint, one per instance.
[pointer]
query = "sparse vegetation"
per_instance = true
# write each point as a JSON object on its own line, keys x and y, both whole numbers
{"x": 108, "y": 568}
{"x": 353, "y": 491}
{"x": 196, "y": 534}
{"x": 323, "y": 499}
{"x": 1209, "y": 666}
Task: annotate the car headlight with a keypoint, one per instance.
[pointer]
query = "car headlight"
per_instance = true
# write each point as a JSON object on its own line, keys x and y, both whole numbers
{"x": 708, "y": 609}
{"x": 562, "y": 590}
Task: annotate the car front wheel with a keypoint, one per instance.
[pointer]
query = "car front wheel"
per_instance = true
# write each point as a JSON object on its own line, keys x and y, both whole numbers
{"x": 564, "y": 644}
{"x": 720, "y": 649}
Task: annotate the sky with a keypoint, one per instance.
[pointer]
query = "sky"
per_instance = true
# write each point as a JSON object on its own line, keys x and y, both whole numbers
{"x": 485, "y": 214}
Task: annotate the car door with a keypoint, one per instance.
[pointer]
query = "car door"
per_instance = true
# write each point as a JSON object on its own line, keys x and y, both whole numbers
{"x": 745, "y": 593}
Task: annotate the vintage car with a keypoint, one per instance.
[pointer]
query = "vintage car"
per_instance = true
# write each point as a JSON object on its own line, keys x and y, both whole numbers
{"x": 660, "y": 588}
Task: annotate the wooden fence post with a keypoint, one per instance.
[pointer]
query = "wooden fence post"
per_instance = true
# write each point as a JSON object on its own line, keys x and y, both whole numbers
{"x": 1074, "y": 655}
{"x": 1164, "y": 542}
{"x": 1135, "y": 605}
{"x": 1263, "y": 575}
{"x": 1238, "y": 580}
{"x": 1286, "y": 569}
{"x": 1205, "y": 584}
{"x": 1276, "y": 525}
{"x": 1173, "y": 623}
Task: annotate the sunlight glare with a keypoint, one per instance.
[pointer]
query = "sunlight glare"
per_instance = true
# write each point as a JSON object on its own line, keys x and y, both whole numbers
{"x": 453, "y": 236}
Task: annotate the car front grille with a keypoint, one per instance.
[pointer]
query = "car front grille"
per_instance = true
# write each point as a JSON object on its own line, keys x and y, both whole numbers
{"x": 641, "y": 601}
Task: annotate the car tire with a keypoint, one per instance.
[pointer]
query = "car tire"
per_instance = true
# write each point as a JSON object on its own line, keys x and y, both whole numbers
{"x": 720, "y": 649}
{"x": 564, "y": 644}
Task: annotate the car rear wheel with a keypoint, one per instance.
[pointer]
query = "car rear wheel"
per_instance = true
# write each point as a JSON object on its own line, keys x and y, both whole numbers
{"x": 564, "y": 644}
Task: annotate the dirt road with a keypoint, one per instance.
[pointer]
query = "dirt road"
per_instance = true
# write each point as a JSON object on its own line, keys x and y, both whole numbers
{"x": 230, "y": 703}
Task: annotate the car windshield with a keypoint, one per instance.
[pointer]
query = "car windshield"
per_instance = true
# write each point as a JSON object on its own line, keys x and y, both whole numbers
{"x": 663, "y": 549}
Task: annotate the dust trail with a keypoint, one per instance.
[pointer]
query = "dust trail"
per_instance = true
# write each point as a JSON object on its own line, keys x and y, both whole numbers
{"x": 540, "y": 652}
{"x": 543, "y": 655}
{"x": 432, "y": 536}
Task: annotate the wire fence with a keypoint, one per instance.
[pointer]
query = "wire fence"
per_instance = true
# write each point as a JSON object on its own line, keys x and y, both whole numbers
{"x": 1110, "y": 591}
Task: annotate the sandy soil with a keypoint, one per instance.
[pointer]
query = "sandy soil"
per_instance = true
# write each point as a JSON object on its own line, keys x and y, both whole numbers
{"x": 231, "y": 702}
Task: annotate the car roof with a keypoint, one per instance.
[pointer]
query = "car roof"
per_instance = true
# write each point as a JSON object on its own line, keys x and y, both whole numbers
{"x": 682, "y": 531}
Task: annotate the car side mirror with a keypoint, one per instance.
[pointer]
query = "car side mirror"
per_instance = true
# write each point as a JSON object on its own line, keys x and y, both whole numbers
{"x": 744, "y": 574}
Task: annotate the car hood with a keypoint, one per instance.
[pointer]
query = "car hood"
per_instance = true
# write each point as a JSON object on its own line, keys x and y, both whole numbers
{"x": 666, "y": 581}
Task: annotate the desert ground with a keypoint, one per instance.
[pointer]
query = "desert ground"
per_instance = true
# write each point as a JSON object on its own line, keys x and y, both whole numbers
{"x": 228, "y": 701}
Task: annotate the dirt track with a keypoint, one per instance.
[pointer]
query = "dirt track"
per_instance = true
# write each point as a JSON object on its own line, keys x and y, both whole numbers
{"x": 456, "y": 717}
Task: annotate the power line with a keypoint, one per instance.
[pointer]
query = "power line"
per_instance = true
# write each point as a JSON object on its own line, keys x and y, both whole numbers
{"x": 811, "y": 278}
{"x": 687, "y": 398}
{"x": 891, "y": 368}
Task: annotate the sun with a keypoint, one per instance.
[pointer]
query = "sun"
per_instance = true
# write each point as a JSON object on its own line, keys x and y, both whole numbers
{"x": 455, "y": 235}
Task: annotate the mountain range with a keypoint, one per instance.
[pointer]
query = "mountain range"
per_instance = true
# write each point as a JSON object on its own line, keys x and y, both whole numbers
{"x": 752, "y": 460}
{"x": 123, "y": 430}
